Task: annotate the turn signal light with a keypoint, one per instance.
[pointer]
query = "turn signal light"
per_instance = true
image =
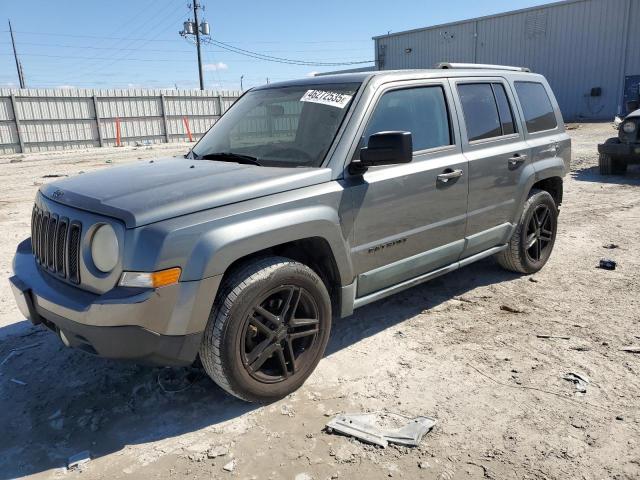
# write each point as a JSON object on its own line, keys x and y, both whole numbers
{"x": 162, "y": 278}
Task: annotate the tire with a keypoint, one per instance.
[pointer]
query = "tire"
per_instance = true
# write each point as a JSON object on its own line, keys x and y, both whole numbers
{"x": 248, "y": 347}
{"x": 611, "y": 166}
{"x": 521, "y": 255}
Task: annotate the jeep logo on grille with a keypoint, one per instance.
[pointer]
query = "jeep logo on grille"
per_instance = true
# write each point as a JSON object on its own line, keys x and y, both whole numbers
{"x": 57, "y": 194}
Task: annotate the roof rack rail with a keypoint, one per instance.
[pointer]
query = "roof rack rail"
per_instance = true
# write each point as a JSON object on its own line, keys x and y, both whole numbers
{"x": 480, "y": 66}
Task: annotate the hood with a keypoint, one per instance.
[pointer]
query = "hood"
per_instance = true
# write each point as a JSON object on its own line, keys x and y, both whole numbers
{"x": 148, "y": 192}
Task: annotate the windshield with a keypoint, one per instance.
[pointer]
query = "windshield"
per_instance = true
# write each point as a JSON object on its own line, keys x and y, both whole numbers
{"x": 281, "y": 126}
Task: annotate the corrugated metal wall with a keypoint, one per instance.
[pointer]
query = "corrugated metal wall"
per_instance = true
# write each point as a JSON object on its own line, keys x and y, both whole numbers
{"x": 577, "y": 45}
{"x": 632, "y": 58}
{"x": 49, "y": 119}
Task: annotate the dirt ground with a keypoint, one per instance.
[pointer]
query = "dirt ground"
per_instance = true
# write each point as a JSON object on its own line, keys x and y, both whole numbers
{"x": 445, "y": 349}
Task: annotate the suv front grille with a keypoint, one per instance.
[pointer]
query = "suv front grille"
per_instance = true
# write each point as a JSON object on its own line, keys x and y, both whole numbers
{"x": 74, "y": 253}
{"x": 56, "y": 244}
{"x": 61, "y": 238}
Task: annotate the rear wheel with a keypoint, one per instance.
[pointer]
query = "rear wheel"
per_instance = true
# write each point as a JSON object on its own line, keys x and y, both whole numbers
{"x": 268, "y": 329}
{"x": 532, "y": 243}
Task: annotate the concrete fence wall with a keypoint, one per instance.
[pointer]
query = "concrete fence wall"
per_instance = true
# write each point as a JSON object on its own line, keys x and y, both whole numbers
{"x": 33, "y": 120}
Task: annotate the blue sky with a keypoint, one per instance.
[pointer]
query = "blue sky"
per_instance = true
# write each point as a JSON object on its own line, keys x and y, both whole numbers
{"x": 134, "y": 43}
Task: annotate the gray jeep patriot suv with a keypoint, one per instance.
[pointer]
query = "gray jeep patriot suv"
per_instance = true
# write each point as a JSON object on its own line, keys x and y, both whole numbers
{"x": 306, "y": 200}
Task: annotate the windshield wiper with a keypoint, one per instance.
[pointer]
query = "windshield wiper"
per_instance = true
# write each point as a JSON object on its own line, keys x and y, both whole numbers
{"x": 231, "y": 157}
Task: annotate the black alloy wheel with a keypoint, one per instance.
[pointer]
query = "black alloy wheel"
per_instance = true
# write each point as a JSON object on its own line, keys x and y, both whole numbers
{"x": 280, "y": 334}
{"x": 540, "y": 233}
{"x": 534, "y": 236}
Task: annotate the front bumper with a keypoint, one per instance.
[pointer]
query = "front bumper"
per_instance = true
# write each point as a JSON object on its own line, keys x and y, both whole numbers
{"x": 162, "y": 327}
{"x": 619, "y": 150}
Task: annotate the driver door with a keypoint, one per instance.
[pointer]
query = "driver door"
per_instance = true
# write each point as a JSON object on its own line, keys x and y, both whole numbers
{"x": 410, "y": 219}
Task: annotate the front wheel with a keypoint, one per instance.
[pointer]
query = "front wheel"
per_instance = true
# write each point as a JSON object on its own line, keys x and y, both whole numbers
{"x": 532, "y": 242}
{"x": 611, "y": 166}
{"x": 268, "y": 329}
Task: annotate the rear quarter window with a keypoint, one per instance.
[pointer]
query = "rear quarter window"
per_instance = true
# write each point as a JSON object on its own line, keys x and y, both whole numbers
{"x": 536, "y": 106}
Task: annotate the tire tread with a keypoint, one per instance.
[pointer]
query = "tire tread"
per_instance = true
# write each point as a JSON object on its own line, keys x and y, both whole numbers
{"x": 605, "y": 164}
{"x": 611, "y": 166}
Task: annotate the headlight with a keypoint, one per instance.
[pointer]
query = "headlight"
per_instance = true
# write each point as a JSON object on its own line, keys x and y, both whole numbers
{"x": 104, "y": 248}
{"x": 629, "y": 127}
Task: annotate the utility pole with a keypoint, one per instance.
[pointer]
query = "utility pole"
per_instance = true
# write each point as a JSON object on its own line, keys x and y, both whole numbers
{"x": 197, "y": 28}
{"x": 195, "y": 19}
{"x": 15, "y": 54}
{"x": 241, "y": 87}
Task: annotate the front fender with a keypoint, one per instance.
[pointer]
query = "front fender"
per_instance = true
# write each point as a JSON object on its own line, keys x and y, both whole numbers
{"x": 233, "y": 239}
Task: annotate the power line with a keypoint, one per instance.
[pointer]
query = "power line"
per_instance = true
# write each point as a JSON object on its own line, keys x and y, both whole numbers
{"x": 123, "y": 48}
{"x": 271, "y": 58}
{"x": 92, "y": 85}
{"x": 73, "y": 57}
{"x": 133, "y": 19}
{"x": 160, "y": 40}
{"x": 138, "y": 59}
{"x": 90, "y": 47}
{"x": 160, "y": 24}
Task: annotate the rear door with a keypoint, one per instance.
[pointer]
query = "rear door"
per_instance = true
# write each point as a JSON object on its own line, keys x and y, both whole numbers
{"x": 494, "y": 145}
{"x": 410, "y": 218}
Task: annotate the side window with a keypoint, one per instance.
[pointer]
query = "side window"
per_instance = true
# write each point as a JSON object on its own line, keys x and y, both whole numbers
{"x": 536, "y": 106}
{"x": 487, "y": 112}
{"x": 480, "y": 111}
{"x": 420, "y": 110}
{"x": 504, "y": 109}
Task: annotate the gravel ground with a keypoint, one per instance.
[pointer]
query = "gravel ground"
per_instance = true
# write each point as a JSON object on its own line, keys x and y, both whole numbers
{"x": 464, "y": 348}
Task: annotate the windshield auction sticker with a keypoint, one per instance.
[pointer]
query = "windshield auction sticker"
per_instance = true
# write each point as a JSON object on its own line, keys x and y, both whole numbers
{"x": 332, "y": 99}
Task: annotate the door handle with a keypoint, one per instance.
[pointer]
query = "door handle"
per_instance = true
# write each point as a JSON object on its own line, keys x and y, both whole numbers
{"x": 449, "y": 175}
{"x": 516, "y": 160}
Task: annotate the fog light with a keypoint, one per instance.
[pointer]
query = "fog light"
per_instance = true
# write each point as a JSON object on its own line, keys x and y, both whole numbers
{"x": 162, "y": 278}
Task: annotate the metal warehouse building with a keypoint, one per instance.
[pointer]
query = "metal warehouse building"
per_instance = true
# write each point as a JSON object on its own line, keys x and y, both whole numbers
{"x": 589, "y": 50}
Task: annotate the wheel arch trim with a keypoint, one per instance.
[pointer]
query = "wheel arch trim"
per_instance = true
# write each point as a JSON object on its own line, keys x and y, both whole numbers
{"x": 219, "y": 248}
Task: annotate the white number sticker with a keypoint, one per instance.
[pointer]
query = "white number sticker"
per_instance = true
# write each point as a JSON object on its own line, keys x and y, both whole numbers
{"x": 332, "y": 99}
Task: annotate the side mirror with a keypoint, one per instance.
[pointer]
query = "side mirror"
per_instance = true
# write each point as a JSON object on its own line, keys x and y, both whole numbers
{"x": 384, "y": 148}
